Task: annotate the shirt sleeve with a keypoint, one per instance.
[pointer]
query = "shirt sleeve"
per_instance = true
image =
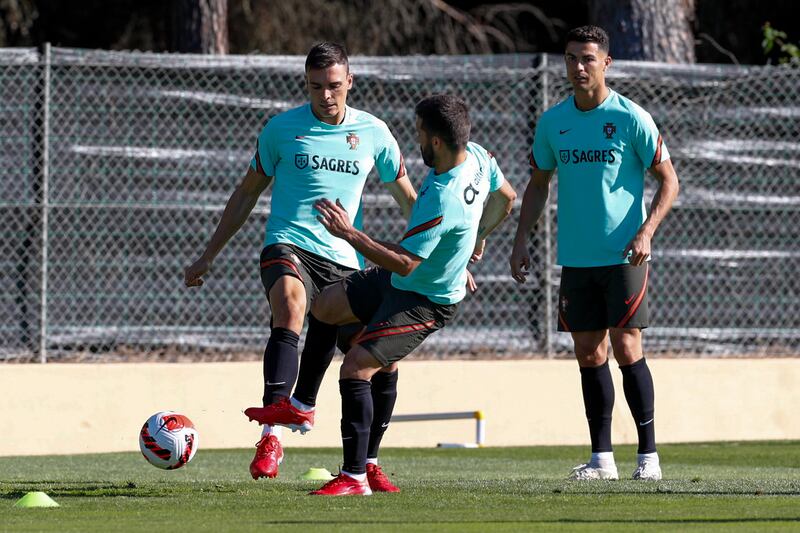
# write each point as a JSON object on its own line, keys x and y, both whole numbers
{"x": 647, "y": 141}
{"x": 542, "y": 156}
{"x": 266, "y": 157}
{"x": 496, "y": 176}
{"x": 429, "y": 221}
{"x": 388, "y": 159}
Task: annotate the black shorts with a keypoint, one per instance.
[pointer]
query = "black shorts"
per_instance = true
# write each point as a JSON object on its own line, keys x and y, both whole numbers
{"x": 597, "y": 298}
{"x": 314, "y": 271}
{"x": 396, "y": 321}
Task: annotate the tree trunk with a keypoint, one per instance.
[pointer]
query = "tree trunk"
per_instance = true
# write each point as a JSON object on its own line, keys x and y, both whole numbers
{"x": 651, "y": 30}
{"x": 200, "y": 26}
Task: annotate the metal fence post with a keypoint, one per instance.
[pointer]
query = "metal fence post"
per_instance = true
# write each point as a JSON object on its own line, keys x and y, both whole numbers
{"x": 548, "y": 296}
{"x": 45, "y": 198}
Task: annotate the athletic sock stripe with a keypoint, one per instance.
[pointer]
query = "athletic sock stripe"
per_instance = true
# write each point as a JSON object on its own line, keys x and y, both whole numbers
{"x": 657, "y": 156}
{"x": 636, "y": 303}
{"x": 282, "y": 261}
{"x": 396, "y": 330}
{"x": 422, "y": 227}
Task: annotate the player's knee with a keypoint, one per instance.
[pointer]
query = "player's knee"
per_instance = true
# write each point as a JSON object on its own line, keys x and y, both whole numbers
{"x": 358, "y": 364}
{"x": 627, "y": 345}
{"x": 288, "y": 312}
{"x": 627, "y": 356}
{"x": 591, "y": 359}
{"x": 290, "y": 309}
{"x": 590, "y": 349}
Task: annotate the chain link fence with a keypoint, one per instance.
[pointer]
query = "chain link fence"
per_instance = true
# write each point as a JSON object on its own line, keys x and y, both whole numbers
{"x": 116, "y": 167}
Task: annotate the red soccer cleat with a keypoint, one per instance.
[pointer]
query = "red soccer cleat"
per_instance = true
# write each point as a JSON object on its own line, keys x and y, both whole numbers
{"x": 343, "y": 485}
{"x": 269, "y": 454}
{"x": 282, "y": 413}
{"x": 378, "y": 481}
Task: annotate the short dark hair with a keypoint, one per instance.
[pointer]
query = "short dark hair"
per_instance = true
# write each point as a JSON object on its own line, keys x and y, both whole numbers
{"x": 447, "y": 117}
{"x": 326, "y": 54}
{"x": 589, "y": 34}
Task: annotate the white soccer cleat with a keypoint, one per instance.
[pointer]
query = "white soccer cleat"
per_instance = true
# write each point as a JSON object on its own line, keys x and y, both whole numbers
{"x": 647, "y": 471}
{"x": 586, "y": 472}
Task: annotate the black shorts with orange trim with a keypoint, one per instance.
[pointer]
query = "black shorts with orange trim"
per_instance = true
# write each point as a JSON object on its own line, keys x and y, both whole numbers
{"x": 314, "y": 271}
{"x": 396, "y": 321}
{"x": 597, "y": 298}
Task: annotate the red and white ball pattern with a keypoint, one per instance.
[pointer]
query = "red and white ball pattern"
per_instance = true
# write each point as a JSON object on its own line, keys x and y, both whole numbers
{"x": 168, "y": 440}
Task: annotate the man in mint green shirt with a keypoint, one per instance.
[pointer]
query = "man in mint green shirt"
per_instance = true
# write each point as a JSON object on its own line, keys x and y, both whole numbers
{"x": 416, "y": 286}
{"x": 443, "y": 224}
{"x": 601, "y": 143}
{"x": 319, "y": 150}
{"x": 313, "y": 159}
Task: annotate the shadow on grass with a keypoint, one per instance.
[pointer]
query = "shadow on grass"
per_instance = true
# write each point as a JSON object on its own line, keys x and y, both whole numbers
{"x": 63, "y": 489}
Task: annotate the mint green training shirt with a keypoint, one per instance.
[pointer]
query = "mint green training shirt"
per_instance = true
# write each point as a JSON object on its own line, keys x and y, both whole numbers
{"x": 601, "y": 156}
{"x": 309, "y": 160}
{"x": 443, "y": 226}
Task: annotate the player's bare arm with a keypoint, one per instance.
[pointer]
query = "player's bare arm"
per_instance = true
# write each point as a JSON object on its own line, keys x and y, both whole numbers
{"x": 533, "y": 203}
{"x": 498, "y": 207}
{"x": 238, "y": 208}
{"x": 640, "y": 246}
{"x": 390, "y": 256}
{"x": 403, "y": 193}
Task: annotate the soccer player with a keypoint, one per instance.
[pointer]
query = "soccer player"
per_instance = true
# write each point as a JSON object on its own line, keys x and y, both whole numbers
{"x": 418, "y": 283}
{"x": 322, "y": 149}
{"x": 601, "y": 143}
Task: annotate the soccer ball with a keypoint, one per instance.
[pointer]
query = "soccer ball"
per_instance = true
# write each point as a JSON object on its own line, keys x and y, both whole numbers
{"x": 168, "y": 440}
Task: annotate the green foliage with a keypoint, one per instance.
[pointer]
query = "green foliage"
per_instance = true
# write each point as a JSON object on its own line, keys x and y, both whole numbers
{"x": 772, "y": 37}
{"x": 708, "y": 487}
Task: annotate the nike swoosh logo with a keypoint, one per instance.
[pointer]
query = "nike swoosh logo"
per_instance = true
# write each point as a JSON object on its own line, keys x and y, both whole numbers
{"x": 645, "y": 423}
{"x": 562, "y": 132}
{"x": 386, "y": 425}
{"x": 278, "y": 383}
{"x": 629, "y": 300}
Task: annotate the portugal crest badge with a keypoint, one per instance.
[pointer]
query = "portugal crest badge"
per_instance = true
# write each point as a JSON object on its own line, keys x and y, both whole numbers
{"x": 352, "y": 140}
{"x": 609, "y": 129}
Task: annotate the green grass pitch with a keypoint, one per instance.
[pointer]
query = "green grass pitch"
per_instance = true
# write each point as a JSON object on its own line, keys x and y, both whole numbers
{"x": 708, "y": 487}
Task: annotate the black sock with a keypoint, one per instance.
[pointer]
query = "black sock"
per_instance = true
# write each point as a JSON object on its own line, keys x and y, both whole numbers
{"x": 356, "y": 420}
{"x": 638, "y": 385}
{"x": 280, "y": 364}
{"x": 317, "y": 356}
{"x": 598, "y": 399}
{"x": 384, "y": 395}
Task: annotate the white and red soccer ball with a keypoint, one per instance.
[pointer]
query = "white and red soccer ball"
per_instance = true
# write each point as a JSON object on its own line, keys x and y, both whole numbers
{"x": 168, "y": 440}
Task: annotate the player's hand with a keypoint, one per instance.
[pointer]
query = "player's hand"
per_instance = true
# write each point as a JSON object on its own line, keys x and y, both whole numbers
{"x": 638, "y": 250}
{"x": 520, "y": 262}
{"x": 193, "y": 274}
{"x": 333, "y": 217}
{"x": 477, "y": 253}
{"x": 471, "y": 285}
